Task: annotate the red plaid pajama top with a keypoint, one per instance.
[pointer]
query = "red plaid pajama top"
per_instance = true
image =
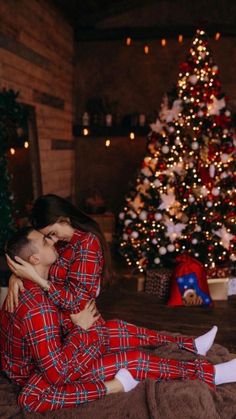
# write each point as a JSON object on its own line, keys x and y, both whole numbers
{"x": 76, "y": 275}
{"x": 31, "y": 340}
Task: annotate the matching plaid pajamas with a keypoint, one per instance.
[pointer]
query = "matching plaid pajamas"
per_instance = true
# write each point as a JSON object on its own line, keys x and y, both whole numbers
{"x": 61, "y": 365}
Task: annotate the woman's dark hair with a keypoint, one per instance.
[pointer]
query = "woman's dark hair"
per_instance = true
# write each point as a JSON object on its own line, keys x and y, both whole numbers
{"x": 48, "y": 209}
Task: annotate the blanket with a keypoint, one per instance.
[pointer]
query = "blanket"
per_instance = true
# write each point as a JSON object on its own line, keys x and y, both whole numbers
{"x": 149, "y": 400}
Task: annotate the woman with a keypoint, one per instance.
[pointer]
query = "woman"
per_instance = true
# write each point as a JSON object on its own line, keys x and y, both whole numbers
{"x": 76, "y": 276}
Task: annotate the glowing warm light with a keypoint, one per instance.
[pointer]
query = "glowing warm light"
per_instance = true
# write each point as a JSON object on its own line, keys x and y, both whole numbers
{"x": 85, "y": 131}
{"x": 217, "y": 36}
{"x": 108, "y": 143}
{"x": 26, "y": 144}
{"x": 180, "y": 38}
{"x": 128, "y": 41}
{"x": 146, "y": 49}
{"x": 12, "y": 151}
{"x": 132, "y": 136}
{"x": 163, "y": 42}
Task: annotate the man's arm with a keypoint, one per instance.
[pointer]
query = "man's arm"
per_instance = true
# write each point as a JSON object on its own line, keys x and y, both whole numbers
{"x": 57, "y": 360}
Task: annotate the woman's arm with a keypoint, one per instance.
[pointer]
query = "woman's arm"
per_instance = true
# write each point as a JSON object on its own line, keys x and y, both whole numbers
{"x": 83, "y": 277}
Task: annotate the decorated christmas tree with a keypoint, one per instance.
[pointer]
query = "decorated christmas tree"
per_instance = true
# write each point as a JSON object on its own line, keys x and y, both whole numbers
{"x": 10, "y": 120}
{"x": 184, "y": 199}
{"x": 152, "y": 218}
{"x": 208, "y": 190}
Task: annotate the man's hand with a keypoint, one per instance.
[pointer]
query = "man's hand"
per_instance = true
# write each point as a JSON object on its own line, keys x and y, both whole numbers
{"x": 14, "y": 287}
{"x": 86, "y": 317}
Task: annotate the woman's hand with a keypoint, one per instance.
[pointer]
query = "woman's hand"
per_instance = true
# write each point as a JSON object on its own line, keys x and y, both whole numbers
{"x": 86, "y": 317}
{"x": 14, "y": 287}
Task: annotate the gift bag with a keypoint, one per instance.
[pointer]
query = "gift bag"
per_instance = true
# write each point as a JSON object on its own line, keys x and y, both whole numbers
{"x": 158, "y": 283}
{"x": 189, "y": 283}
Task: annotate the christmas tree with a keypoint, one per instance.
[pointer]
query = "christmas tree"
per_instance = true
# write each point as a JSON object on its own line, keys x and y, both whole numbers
{"x": 208, "y": 190}
{"x": 152, "y": 218}
{"x": 10, "y": 120}
{"x": 183, "y": 197}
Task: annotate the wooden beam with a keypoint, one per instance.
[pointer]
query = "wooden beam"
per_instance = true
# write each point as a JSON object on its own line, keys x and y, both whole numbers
{"x": 62, "y": 144}
{"x": 49, "y": 100}
{"x": 151, "y": 32}
{"x": 22, "y": 51}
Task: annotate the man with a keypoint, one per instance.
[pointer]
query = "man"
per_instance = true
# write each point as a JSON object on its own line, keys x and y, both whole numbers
{"x": 31, "y": 342}
{"x": 64, "y": 371}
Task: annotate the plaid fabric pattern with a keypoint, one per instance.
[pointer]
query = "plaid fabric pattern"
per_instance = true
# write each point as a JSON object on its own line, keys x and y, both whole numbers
{"x": 38, "y": 396}
{"x": 124, "y": 336}
{"x": 31, "y": 338}
{"x": 76, "y": 275}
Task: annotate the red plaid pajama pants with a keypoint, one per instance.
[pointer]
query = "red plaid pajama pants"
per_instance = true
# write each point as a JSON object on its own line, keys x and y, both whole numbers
{"x": 38, "y": 395}
{"x": 125, "y": 336}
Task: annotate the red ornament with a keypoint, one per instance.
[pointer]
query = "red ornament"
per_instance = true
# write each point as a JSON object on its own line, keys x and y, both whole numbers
{"x": 128, "y": 231}
{"x": 210, "y": 248}
{"x": 151, "y": 216}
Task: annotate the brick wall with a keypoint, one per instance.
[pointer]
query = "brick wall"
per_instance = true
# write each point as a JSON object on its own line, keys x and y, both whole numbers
{"x": 36, "y": 59}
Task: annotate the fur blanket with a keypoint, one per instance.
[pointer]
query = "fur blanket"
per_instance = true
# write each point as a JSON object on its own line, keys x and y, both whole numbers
{"x": 149, "y": 400}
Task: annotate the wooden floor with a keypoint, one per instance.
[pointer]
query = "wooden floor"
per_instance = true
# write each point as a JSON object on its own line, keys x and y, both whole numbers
{"x": 122, "y": 301}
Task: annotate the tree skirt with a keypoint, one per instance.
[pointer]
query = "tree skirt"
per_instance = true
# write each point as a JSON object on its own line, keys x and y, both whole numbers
{"x": 149, "y": 400}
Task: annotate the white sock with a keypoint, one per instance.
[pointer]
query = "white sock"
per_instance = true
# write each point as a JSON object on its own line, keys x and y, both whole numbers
{"x": 203, "y": 343}
{"x": 225, "y": 372}
{"x": 126, "y": 379}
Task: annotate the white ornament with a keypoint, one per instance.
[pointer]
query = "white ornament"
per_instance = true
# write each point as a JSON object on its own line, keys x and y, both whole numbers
{"x": 125, "y": 236}
{"x": 170, "y": 248}
{"x": 168, "y": 200}
{"x": 215, "y": 107}
{"x": 224, "y": 157}
{"x": 158, "y": 216}
{"x": 121, "y": 215}
{"x": 204, "y": 191}
{"x": 177, "y": 141}
{"x": 177, "y": 168}
{"x": 215, "y": 191}
{"x": 157, "y": 126}
{"x": 194, "y": 241}
{"x": 200, "y": 114}
{"x": 157, "y": 183}
{"x": 154, "y": 241}
{"x": 191, "y": 199}
{"x": 137, "y": 202}
{"x": 195, "y": 145}
{"x": 196, "y": 255}
{"x": 209, "y": 204}
{"x": 127, "y": 222}
{"x": 134, "y": 234}
{"x": 193, "y": 79}
{"x": 191, "y": 165}
{"x": 162, "y": 250}
{"x": 146, "y": 172}
{"x": 143, "y": 215}
{"x": 225, "y": 236}
{"x": 171, "y": 129}
{"x": 223, "y": 175}
{"x": 157, "y": 261}
{"x": 212, "y": 170}
{"x": 165, "y": 149}
{"x": 233, "y": 257}
{"x": 198, "y": 228}
{"x": 146, "y": 181}
{"x": 173, "y": 230}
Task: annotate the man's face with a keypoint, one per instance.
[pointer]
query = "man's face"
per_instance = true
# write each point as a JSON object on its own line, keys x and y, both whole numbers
{"x": 45, "y": 248}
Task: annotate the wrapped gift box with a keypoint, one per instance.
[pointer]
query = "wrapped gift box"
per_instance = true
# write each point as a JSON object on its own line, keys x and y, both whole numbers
{"x": 158, "y": 283}
{"x": 218, "y": 288}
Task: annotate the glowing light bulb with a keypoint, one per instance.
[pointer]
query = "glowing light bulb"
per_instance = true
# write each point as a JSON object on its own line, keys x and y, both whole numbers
{"x": 12, "y": 151}
{"x": 108, "y": 143}
{"x": 85, "y": 131}
{"x": 128, "y": 41}
{"x": 146, "y": 49}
